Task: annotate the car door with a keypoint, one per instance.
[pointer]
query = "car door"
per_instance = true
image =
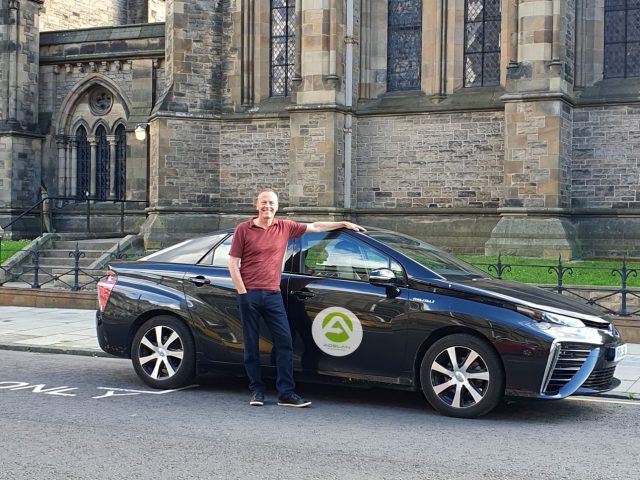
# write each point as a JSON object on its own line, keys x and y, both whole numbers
{"x": 342, "y": 325}
{"x": 214, "y": 309}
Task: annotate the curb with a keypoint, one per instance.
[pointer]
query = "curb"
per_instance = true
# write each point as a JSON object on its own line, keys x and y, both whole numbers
{"x": 58, "y": 350}
{"x": 48, "y": 298}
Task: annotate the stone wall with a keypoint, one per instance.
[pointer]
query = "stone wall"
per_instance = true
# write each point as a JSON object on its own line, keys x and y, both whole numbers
{"x": 66, "y": 78}
{"x": 207, "y": 163}
{"x": 19, "y": 169}
{"x": 5, "y": 34}
{"x": 193, "y": 73}
{"x": 254, "y": 154}
{"x": 187, "y": 172}
{"x": 315, "y": 158}
{"x": 569, "y": 25}
{"x": 69, "y": 14}
{"x": 19, "y": 65}
{"x": 606, "y": 155}
{"x": 566, "y": 139}
{"x": 436, "y": 160}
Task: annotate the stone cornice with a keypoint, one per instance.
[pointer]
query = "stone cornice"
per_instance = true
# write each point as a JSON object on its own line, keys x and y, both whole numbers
{"x": 569, "y": 212}
{"x": 19, "y": 133}
{"x": 105, "y": 56}
{"x": 103, "y": 34}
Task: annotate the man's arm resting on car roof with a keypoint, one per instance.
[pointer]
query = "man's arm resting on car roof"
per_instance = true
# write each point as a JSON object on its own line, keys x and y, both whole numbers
{"x": 316, "y": 227}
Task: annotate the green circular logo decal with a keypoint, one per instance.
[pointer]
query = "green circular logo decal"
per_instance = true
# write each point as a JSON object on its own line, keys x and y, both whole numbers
{"x": 337, "y": 331}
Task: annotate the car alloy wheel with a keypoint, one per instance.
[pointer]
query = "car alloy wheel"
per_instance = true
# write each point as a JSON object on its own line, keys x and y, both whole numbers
{"x": 462, "y": 376}
{"x": 163, "y": 353}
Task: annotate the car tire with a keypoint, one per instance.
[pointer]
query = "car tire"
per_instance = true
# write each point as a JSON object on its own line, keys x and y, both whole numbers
{"x": 163, "y": 353}
{"x": 462, "y": 376}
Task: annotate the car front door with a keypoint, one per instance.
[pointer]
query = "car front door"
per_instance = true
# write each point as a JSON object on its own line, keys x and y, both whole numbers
{"x": 342, "y": 325}
{"x": 214, "y": 308}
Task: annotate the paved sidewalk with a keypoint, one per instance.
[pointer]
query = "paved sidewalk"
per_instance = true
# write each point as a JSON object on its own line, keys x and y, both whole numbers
{"x": 65, "y": 330}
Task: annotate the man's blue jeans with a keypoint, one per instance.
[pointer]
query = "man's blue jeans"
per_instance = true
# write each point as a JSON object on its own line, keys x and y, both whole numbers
{"x": 266, "y": 304}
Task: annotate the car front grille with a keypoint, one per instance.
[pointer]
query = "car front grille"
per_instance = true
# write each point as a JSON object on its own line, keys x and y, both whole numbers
{"x": 601, "y": 379}
{"x": 570, "y": 358}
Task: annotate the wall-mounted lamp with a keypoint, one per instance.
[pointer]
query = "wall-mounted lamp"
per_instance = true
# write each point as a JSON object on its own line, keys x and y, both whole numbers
{"x": 141, "y": 131}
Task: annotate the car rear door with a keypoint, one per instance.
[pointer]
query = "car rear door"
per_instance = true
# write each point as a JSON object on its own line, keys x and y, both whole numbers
{"x": 342, "y": 325}
{"x": 213, "y": 307}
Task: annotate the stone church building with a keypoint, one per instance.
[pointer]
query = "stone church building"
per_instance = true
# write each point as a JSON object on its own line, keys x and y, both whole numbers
{"x": 506, "y": 126}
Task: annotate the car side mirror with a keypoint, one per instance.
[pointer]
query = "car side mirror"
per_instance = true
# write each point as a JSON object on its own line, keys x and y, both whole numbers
{"x": 383, "y": 277}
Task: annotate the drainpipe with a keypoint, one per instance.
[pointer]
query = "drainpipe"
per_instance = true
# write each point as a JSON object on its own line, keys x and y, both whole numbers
{"x": 348, "y": 91}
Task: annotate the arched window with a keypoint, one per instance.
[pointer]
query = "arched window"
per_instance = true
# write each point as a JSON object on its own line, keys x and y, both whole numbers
{"x": 82, "y": 179}
{"x": 102, "y": 164}
{"x": 283, "y": 46}
{"x": 621, "y": 38}
{"x": 481, "y": 43}
{"x": 121, "y": 156}
{"x": 404, "y": 45}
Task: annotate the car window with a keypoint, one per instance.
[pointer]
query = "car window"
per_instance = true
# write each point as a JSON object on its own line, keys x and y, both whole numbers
{"x": 337, "y": 255}
{"x": 219, "y": 256}
{"x": 189, "y": 251}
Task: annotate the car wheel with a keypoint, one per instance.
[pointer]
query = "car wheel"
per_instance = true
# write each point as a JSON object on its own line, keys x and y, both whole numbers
{"x": 462, "y": 376}
{"x": 163, "y": 353}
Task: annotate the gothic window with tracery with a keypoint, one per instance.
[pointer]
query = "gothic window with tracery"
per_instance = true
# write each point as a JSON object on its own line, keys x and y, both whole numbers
{"x": 82, "y": 172}
{"x": 283, "y": 46}
{"x": 102, "y": 164}
{"x": 481, "y": 43}
{"x": 621, "y": 38}
{"x": 121, "y": 155}
{"x": 404, "y": 45}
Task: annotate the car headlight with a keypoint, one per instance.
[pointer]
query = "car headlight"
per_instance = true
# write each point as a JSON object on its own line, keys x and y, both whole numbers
{"x": 548, "y": 317}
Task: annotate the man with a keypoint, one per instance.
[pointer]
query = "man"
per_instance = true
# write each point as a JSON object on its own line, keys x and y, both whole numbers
{"x": 255, "y": 264}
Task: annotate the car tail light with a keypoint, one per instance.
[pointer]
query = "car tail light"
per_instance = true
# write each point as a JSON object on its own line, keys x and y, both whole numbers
{"x": 105, "y": 285}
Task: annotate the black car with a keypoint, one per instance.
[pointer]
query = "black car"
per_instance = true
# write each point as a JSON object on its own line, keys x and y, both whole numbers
{"x": 364, "y": 308}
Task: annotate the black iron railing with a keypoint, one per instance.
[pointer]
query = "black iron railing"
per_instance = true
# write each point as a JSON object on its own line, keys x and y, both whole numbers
{"x": 30, "y": 272}
{"x": 75, "y": 278}
{"x": 592, "y": 295}
{"x": 46, "y": 208}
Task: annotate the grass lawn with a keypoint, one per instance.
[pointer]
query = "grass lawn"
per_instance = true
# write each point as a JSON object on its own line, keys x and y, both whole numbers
{"x": 536, "y": 270}
{"x": 9, "y": 247}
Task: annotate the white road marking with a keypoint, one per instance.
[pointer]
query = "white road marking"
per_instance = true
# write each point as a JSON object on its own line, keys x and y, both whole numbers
{"x": 112, "y": 392}
{"x": 599, "y": 400}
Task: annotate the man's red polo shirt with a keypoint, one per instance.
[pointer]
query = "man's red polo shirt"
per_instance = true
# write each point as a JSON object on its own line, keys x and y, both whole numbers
{"x": 261, "y": 251}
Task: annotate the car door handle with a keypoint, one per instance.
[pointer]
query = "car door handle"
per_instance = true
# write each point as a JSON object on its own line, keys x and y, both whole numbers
{"x": 303, "y": 293}
{"x": 200, "y": 280}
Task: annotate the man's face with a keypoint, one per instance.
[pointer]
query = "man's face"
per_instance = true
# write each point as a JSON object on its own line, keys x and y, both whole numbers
{"x": 267, "y": 205}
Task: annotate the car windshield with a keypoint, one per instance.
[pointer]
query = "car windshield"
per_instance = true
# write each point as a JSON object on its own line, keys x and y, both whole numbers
{"x": 434, "y": 259}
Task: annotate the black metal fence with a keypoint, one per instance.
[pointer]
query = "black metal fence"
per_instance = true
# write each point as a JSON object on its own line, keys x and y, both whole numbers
{"x": 616, "y": 299}
{"x": 33, "y": 274}
{"x": 46, "y": 207}
{"x": 603, "y": 297}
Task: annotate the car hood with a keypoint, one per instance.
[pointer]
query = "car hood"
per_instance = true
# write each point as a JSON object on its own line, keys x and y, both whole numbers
{"x": 522, "y": 294}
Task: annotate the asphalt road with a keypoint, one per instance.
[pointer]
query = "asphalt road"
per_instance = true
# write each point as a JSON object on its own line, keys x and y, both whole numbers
{"x": 72, "y": 417}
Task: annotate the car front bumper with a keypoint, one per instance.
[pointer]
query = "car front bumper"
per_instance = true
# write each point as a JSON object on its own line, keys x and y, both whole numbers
{"x": 580, "y": 361}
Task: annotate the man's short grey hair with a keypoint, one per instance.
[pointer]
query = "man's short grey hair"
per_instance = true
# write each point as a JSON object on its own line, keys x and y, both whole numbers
{"x": 267, "y": 190}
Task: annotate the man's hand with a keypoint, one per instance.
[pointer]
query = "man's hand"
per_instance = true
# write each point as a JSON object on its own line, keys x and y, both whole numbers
{"x": 353, "y": 226}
